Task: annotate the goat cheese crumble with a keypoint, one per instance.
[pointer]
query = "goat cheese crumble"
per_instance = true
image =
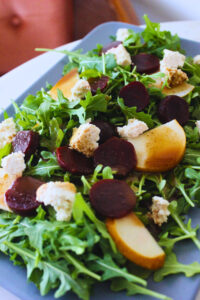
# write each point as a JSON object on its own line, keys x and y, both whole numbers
{"x": 14, "y": 164}
{"x": 122, "y": 34}
{"x": 80, "y": 89}
{"x": 7, "y": 132}
{"x": 122, "y": 56}
{"x": 133, "y": 129}
{"x": 60, "y": 195}
{"x": 159, "y": 210}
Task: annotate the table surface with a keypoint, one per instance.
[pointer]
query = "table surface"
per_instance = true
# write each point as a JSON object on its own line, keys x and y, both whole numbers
{"x": 16, "y": 81}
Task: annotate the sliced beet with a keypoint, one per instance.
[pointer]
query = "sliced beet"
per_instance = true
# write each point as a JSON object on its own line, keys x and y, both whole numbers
{"x": 146, "y": 63}
{"x": 74, "y": 161}
{"x": 173, "y": 107}
{"x": 107, "y": 130}
{"x": 98, "y": 83}
{"x": 118, "y": 154}
{"x": 112, "y": 198}
{"x": 114, "y": 44}
{"x": 21, "y": 197}
{"x": 27, "y": 142}
{"x": 135, "y": 94}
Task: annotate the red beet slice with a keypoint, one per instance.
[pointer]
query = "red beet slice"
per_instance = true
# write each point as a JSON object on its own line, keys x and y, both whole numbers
{"x": 74, "y": 161}
{"x": 146, "y": 63}
{"x": 107, "y": 130}
{"x": 112, "y": 198}
{"x": 21, "y": 197}
{"x": 135, "y": 94}
{"x": 98, "y": 83}
{"x": 173, "y": 107}
{"x": 118, "y": 154}
{"x": 27, "y": 142}
{"x": 114, "y": 44}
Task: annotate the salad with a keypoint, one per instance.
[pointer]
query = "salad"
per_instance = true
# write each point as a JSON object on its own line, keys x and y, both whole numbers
{"x": 99, "y": 171}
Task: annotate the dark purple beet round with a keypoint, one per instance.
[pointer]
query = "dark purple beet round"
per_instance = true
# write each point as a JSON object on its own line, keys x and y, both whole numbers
{"x": 27, "y": 142}
{"x": 135, "y": 94}
{"x": 107, "y": 130}
{"x": 114, "y": 44}
{"x": 21, "y": 196}
{"x": 146, "y": 63}
{"x": 118, "y": 154}
{"x": 173, "y": 107}
{"x": 98, "y": 83}
{"x": 112, "y": 198}
{"x": 74, "y": 161}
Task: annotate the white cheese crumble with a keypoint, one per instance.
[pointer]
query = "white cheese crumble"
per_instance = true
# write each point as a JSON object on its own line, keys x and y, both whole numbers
{"x": 122, "y": 56}
{"x": 80, "y": 89}
{"x": 198, "y": 125}
{"x": 159, "y": 210}
{"x": 196, "y": 59}
{"x": 7, "y": 132}
{"x": 133, "y": 129}
{"x": 84, "y": 139}
{"x": 60, "y": 195}
{"x": 172, "y": 60}
{"x": 122, "y": 34}
{"x": 14, "y": 164}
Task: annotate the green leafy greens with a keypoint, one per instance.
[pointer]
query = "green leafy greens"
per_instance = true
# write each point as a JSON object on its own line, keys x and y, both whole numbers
{"x": 75, "y": 255}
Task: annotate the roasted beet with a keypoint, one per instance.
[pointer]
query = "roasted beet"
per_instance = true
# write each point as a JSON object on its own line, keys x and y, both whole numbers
{"x": 146, "y": 63}
{"x": 74, "y": 161}
{"x": 114, "y": 44}
{"x": 98, "y": 83}
{"x": 107, "y": 130}
{"x": 135, "y": 94}
{"x": 21, "y": 196}
{"x": 173, "y": 107}
{"x": 118, "y": 154}
{"x": 112, "y": 198}
{"x": 27, "y": 142}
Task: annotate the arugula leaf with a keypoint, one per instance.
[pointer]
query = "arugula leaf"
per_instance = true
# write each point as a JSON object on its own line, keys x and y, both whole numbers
{"x": 134, "y": 289}
{"x": 111, "y": 270}
{"x": 55, "y": 138}
{"x": 185, "y": 228}
{"x": 80, "y": 207}
{"x": 131, "y": 112}
{"x": 193, "y": 70}
{"x": 94, "y": 103}
{"x": 97, "y": 63}
{"x": 52, "y": 273}
{"x": 46, "y": 167}
{"x": 156, "y": 40}
{"x": 6, "y": 150}
{"x": 172, "y": 266}
{"x": 90, "y": 73}
{"x": 70, "y": 66}
{"x": 80, "y": 267}
{"x": 169, "y": 243}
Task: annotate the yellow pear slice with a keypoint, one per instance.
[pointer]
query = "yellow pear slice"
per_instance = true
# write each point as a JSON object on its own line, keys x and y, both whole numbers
{"x": 160, "y": 149}
{"x": 135, "y": 242}
{"x": 5, "y": 183}
{"x": 180, "y": 90}
{"x": 65, "y": 84}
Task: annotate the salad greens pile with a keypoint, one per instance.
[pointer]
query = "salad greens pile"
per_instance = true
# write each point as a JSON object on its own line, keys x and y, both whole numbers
{"x": 74, "y": 255}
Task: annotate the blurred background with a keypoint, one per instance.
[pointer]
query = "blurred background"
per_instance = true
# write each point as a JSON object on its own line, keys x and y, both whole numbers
{"x": 27, "y": 24}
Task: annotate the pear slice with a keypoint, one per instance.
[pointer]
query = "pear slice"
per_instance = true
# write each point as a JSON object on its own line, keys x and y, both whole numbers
{"x": 65, "y": 84}
{"x": 181, "y": 90}
{"x": 160, "y": 149}
{"x": 6, "y": 181}
{"x": 135, "y": 242}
